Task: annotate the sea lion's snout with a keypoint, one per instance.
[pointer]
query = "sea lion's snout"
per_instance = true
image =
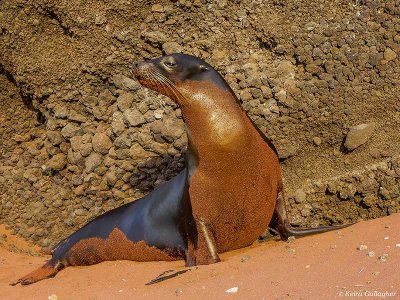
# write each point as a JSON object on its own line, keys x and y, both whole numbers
{"x": 139, "y": 69}
{"x": 137, "y": 65}
{"x": 152, "y": 76}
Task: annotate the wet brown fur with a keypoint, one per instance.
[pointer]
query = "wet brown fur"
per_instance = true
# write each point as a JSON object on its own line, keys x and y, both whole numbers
{"x": 94, "y": 250}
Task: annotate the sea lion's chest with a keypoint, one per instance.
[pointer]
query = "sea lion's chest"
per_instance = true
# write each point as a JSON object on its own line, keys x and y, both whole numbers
{"x": 235, "y": 189}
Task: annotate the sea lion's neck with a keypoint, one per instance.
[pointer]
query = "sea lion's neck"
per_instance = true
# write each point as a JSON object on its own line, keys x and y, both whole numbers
{"x": 213, "y": 116}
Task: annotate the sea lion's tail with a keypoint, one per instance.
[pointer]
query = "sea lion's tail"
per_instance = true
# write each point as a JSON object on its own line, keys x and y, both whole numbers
{"x": 282, "y": 224}
{"x": 287, "y": 230}
{"x": 49, "y": 269}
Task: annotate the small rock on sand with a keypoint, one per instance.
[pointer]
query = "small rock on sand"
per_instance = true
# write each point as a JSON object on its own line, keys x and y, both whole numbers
{"x": 362, "y": 247}
{"x": 232, "y": 290}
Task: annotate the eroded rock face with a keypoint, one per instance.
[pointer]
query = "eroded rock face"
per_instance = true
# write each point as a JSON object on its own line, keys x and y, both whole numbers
{"x": 104, "y": 140}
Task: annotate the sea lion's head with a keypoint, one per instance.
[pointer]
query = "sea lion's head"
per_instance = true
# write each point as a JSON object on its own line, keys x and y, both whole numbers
{"x": 171, "y": 75}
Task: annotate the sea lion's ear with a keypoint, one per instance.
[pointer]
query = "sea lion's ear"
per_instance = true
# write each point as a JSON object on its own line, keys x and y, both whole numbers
{"x": 204, "y": 68}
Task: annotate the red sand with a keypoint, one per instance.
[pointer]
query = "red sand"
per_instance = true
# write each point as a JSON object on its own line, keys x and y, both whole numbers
{"x": 325, "y": 266}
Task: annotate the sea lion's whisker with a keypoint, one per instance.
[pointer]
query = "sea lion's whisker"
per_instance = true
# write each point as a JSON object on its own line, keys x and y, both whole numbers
{"x": 166, "y": 84}
{"x": 169, "y": 84}
{"x": 155, "y": 82}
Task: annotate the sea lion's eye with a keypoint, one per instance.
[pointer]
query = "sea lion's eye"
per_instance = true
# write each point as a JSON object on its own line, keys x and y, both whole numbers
{"x": 204, "y": 68}
{"x": 170, "y": 64}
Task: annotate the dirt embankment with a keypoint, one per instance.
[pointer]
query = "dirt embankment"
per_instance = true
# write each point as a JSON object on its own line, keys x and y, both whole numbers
{"x": 79, "y": 136}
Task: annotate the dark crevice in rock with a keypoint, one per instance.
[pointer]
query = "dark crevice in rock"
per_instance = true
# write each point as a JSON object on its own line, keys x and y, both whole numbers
{"x": 297, "y": 61}
{"x": 52, "y": 15}
{"x": 268, "y": 44}
{"x": 26, "y": 98}
{"x": 168, "y": 167}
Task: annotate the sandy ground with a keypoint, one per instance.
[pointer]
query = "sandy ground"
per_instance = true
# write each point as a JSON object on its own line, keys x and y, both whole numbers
{"x": 325, "y": 266}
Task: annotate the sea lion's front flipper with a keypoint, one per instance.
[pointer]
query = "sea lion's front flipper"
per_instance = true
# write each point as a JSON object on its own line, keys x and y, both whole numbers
{"x": 48, "y": 270}
{"x": 285, "y": 229}
{"x": 208, "y": 235}
{"x": 204, "y": 252}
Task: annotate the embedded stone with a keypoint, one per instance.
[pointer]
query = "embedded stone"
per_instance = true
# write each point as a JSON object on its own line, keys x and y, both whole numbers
{"x": 101, "y": 142}
{"x": 92, "y": 162}
{"x": 133, "y": 117}
{"x": 359, "y": 135}
{"x": 57, "y": 162}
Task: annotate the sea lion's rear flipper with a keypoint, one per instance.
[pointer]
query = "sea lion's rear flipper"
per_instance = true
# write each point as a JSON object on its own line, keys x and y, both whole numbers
{"x": 281, "y": 222}
{"x": 46, "y": 271}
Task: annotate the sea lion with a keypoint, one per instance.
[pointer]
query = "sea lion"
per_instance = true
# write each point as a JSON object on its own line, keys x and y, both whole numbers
{"x": 224, "y": 199}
